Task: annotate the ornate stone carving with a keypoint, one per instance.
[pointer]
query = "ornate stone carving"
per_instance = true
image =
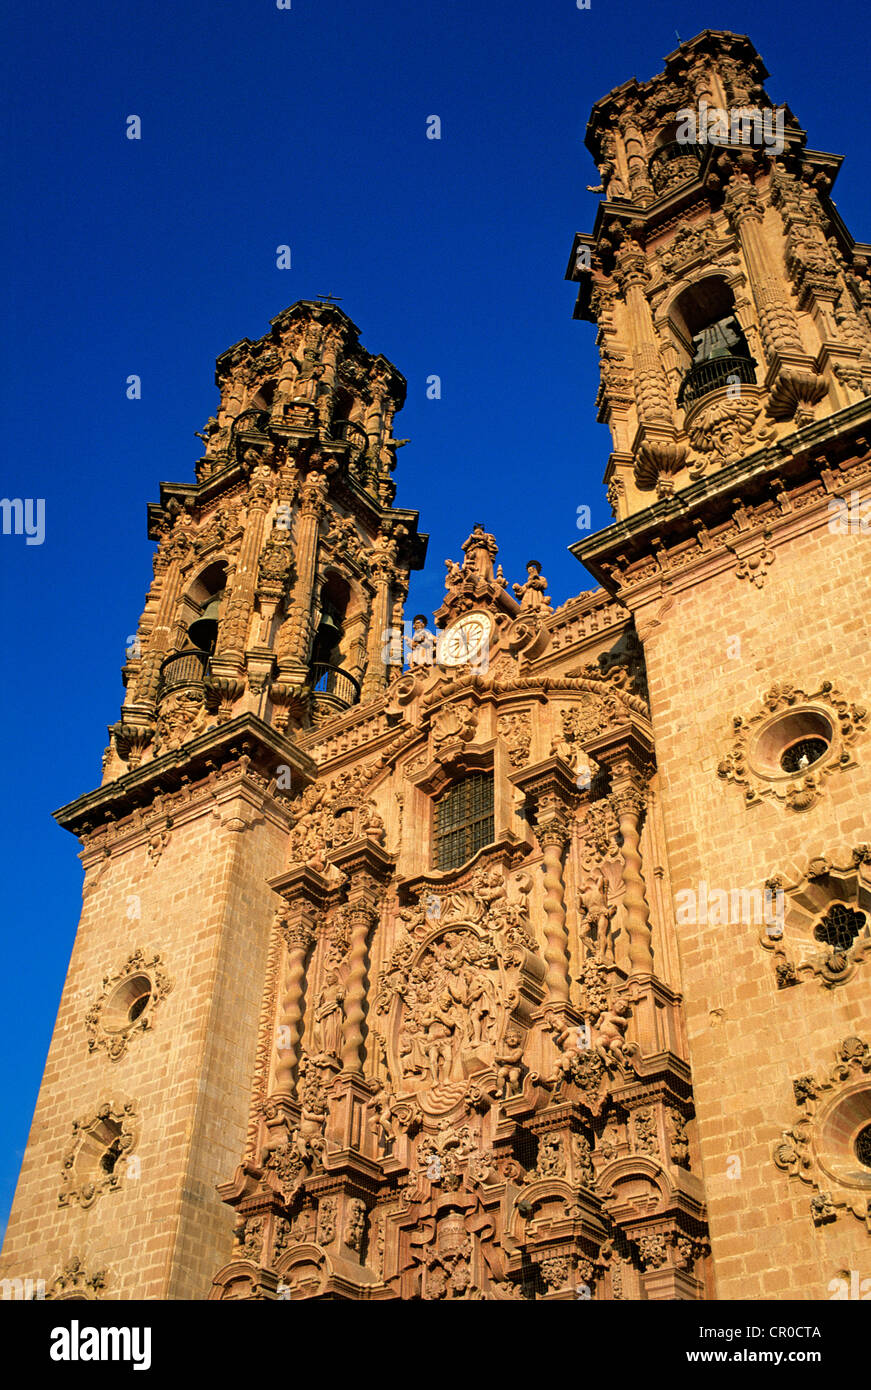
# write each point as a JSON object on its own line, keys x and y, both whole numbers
{"x": 817, "y": 1150}
{"x": 74, "y": 1282}
{"x": 788, "y": 714}
{"x": 725, "y": 431}
{"x": 97, "y": 1160}
{"x": 516, "y": 732}
{"x": 126, "y": 1003}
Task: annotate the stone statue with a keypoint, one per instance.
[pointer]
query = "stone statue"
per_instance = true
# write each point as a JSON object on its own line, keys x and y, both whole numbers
{"x": 440, "y": 1032}
{"x": 329, "y": 1017}
{"x": 531, "y": 595}
{"x": 611, "y": 1027}
{"x": 596, "y": 915}
{"x": 422, "y": 642}
{"x": 480, "y": 550}
{"x": 509, "y": 1064}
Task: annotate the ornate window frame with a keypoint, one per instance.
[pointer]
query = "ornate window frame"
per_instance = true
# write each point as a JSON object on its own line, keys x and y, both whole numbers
{"x": 818, "y": 1149}
{"x": 844, "y": 877}
{"x": 112, "y": 1125}
{"x": 104, "y": 1021}
{"x": 787, "y": 714}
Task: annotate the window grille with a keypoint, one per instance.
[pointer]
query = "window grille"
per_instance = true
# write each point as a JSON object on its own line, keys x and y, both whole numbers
{"x": 463, "y": 820}
{"x": 840, "y": 927}
{"x": 803, "y": 754}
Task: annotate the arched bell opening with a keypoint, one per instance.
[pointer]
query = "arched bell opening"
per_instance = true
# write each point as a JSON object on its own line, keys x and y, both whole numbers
{"x": 332, "y": 683}
{"x": 672, "y": 161}
{"x": 711, "y": 343}
{"x": 197, "y": 629}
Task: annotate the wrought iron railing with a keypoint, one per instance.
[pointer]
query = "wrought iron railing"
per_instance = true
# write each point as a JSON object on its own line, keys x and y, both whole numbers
{"x": 184, "y": 668}
{"x": 672, "y": 164}
{"x": 709, "y": 376}
{"x": 334, "y": 681}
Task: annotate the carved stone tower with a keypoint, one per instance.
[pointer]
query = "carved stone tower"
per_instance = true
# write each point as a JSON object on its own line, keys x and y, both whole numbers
{"x": 734, "y": 327}
{"x": 277, "y": 577}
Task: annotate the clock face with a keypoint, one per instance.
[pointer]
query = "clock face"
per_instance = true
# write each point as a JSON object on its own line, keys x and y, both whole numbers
{"x": 466, "y": 641}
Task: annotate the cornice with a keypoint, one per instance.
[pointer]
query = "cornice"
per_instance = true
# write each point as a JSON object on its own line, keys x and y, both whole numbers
{"x": 245, "y": 736}
{"x": 770, "y": 478}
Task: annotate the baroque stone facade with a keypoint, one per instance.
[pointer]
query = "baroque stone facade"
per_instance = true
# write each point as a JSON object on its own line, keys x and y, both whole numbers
{"x": 505, "y": 961}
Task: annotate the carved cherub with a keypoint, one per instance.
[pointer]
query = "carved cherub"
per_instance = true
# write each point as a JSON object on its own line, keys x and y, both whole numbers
{"x": 566, "y": 1038}
{"x": 454, "y": 573}
{"x": 611, "y": 1026}
{"x": 509, "y": 1064}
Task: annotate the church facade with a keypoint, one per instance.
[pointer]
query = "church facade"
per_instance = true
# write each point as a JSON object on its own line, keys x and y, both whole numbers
{"x": 523, "y": 954}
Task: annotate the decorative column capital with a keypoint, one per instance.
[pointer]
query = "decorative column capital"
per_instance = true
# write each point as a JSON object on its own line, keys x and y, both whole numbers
{"x": 302, "y": 888}
{"x": 627, "y": 751}
{"x": 368, "y": 869}
{"x": 297, "y": 931}
{"x": 551, "y": 793}
{"x": 313, "y": 495}
{"x": 741, "y": 201}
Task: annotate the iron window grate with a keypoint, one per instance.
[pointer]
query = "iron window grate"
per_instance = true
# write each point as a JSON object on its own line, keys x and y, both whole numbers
{"x": 463, "y": 821}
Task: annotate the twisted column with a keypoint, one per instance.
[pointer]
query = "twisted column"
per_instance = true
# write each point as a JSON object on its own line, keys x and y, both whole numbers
{"x": 553, "y": 838}
{"x": 382, "y": 566}
{"x": 298, "y": 939}
{"x": 159, "y": 636}
{"x": 629, "y": 805}
{"x": 361, "y": 919}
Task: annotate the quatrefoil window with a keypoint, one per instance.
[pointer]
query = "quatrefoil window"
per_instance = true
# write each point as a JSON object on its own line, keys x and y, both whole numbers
{"x": 840, "y": 927}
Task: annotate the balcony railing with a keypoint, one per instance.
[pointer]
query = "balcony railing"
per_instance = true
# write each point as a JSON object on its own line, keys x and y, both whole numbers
{"x": 338, "y": 685}
{"x": 672, "y": 164}
{"x": 709, "y": 376}
{"x": 184, "y": 668}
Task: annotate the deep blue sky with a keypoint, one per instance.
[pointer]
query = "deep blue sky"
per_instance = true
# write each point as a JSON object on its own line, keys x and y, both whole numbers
{"x": 306, "y": 127}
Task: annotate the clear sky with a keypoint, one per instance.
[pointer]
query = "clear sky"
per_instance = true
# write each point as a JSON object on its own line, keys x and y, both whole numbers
{"x": 306, "y": 127}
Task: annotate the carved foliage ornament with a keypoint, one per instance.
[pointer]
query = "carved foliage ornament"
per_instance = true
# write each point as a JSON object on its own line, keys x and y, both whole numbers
{"x": 328, "y": 816}
{"x": 74, "y": 1282}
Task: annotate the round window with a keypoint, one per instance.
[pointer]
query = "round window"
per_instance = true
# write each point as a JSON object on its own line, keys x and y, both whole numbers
{"x": 127, "y": 1003}
{"x": 791, "y": 743}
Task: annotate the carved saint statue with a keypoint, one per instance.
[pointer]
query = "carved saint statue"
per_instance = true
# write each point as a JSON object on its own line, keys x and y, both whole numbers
{"x": 531, "y": 595}
{"x": 329, "y": 1017}
{"x": 480, "y": 551}
{"x": 422, "y": 642}
{"x": 596, "y": 915}
{"x": 440, "y": 1029}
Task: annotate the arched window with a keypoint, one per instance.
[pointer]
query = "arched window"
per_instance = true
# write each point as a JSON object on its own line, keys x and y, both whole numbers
{"x": 463, "y": 820}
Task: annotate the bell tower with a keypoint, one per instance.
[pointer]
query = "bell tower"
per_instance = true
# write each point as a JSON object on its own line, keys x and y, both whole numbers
{"x": 733, "y": 310}
{"x": 277, "y": 575}
{"x": 280, "y": 570}
{"x": 731, "y": 301}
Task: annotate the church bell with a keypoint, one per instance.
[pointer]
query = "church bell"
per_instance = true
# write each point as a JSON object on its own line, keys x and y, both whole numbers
{"x": 203, "y": 632}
